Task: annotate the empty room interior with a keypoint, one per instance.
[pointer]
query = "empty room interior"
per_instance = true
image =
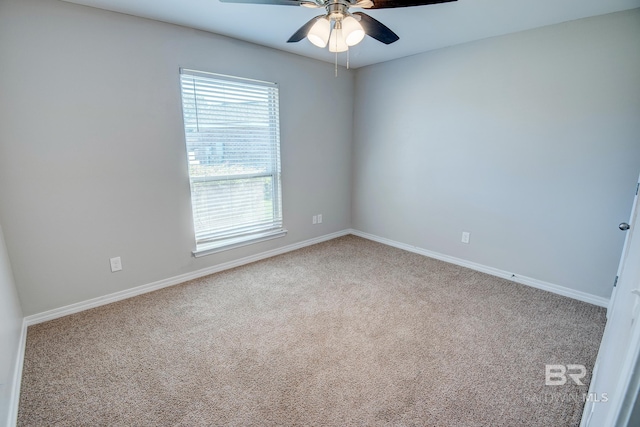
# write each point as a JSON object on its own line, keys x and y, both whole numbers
{"x": 241, "y": 212}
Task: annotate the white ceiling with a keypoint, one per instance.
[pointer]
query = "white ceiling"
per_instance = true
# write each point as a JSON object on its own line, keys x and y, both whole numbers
{"x": 420, "y": 28}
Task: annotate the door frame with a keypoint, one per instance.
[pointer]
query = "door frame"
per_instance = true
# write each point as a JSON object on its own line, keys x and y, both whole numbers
{"x": 628, "y": 384}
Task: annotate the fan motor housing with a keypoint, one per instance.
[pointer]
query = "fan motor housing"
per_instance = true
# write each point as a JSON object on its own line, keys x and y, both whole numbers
{"x": 337, "y": 9}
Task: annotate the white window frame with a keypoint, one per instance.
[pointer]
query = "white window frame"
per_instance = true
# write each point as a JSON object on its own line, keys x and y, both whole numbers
{"x": 209, "y": 243}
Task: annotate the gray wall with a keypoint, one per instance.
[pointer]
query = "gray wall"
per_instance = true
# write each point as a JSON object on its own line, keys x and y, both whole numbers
{"x": 10, "y": 328}
{"x": 528, "y": 141}
{"x": 92, "y": 157}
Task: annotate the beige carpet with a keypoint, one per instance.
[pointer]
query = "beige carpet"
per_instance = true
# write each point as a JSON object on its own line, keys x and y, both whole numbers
{"x": 347, "y": 332}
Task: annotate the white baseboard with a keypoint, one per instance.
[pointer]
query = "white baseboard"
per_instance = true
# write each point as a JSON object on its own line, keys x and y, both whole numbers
{"x": 550, "y": 287}
{"x": 14, "y": 402}
{"x": 118, "y": 296}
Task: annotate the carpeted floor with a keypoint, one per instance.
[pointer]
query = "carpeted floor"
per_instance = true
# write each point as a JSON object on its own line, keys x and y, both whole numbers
{"x": 347, "y": 332}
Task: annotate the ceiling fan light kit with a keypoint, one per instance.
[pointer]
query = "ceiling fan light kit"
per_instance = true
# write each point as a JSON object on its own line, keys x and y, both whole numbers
{"x": 337, "y": 31}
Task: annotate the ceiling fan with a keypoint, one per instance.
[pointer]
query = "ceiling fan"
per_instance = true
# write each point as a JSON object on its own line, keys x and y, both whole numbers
{"x": 340, "y": 28}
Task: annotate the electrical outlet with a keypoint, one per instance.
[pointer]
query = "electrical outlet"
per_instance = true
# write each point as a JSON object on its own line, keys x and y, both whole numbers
{"x": 314, "y": 220}
{"x": 319, "y": 218}
{"x": 465, "y": 236}
{"x": 116, "y": 264}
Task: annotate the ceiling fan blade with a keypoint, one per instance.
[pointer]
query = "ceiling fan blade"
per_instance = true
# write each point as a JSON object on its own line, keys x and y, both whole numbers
{"x": 304, "y": 30}
{"x": 277, "y": 2}
{"x": 387, "y": 4}
{"x": 377, "y": 29}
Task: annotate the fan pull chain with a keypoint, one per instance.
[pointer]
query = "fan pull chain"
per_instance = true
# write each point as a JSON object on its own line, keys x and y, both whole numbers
{"x": 336, "y": 64}
{"x": 347, "y": 58}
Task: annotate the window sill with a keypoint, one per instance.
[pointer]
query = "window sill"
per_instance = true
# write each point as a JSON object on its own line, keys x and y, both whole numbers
{"x": 213, "y": 248}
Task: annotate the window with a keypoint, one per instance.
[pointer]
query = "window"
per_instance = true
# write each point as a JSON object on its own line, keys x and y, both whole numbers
{"x": 232, "y": 133}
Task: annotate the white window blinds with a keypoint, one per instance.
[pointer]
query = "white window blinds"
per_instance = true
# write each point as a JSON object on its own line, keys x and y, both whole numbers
{"x": 233, "y": 146}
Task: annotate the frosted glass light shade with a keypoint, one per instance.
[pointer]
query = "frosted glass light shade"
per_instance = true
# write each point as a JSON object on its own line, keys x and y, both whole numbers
{"x": 336, "y": 41}
{"x": 319, "y": 32}
{"x": 352, "y": 31}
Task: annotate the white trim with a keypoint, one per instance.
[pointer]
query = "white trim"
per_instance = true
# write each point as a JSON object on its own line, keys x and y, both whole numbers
{"x": 128, "y": 293}
{"x": 625, "y": 248}
{"x": 623, "y": 407}
{"x": 535, "y": 283}
{"x": 238, "y": 242}
{"x": 118, "y": 296}
{"x": 208, "y": 75}
{"x": 14, "y": 400}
